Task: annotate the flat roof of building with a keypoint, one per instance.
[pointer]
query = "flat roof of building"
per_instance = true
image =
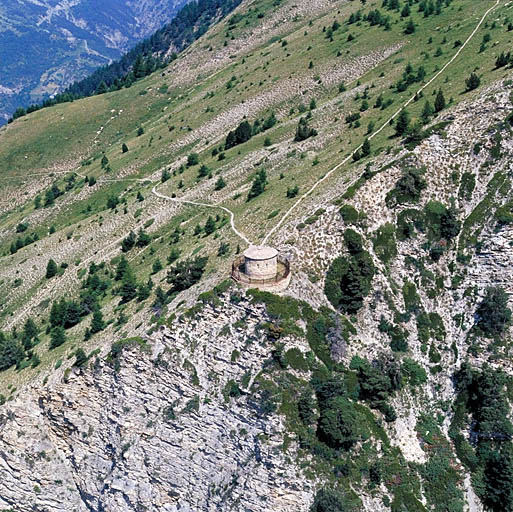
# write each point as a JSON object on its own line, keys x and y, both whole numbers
{"x": 256, "y": 252}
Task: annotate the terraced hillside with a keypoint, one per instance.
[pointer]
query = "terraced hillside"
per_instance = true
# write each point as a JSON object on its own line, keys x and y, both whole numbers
{"x": 368, "y": 141}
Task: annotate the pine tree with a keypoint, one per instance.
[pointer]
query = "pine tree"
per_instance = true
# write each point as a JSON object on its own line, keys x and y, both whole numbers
{"x": 220, "y": 183}
{"x": 102, "y": 88}
{"x": 56, "y": 314}
{"x": 403, "y": 123}
{"x": 129, "y": 242}
{"x": 157, "y": 266}
{"x": 112, "y": 202}
{"x": 97, "y": 323}
{"x": 124, "y": 148}
{"x": 210, "y": 226}
{"x": 166, "y": 175}
{"x": 139, "y": 67}
{"x": 406, "y": 11}
{"x": 143, "y": 239}
{"x": 30, "y": 333}
{"x": 81, "y": 358}
{"x": 51, "y": 269}
{"x": 11, "y": 352}
{"x": 160, "y": 297}
{"x": 472, "y": 82}
{"x": 243, "y": 132}
{"x": 502, "y": 60}
{"x": 303, "y": 131}
{"x": 440, "y": 103}
{"x": 366, "y": 148}
{"x": 427, "y": 112}
{"x": 203, "y": 171}
{"x": 410, "y": 27}
{"x": 121, "y": 269}
{"x": 173, "y": 255}
{"x": 259, "y": 184}
{"x": 128, "y": 290}
{"x": 35, "y": 360}
{"x": 57, "y": 337}
{"x": 192, "y": 159}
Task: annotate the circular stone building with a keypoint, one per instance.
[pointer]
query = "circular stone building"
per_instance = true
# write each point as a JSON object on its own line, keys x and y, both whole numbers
{"x": 263, "y": 268}
{"x": 261, "y": 262}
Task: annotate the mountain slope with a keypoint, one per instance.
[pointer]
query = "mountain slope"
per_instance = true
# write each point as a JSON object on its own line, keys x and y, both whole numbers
{"x": 380, "y": 380}
{"x": 64, "y": 41}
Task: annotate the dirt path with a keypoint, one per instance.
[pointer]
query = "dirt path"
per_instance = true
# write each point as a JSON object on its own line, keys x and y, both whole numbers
{"x": 206, "y": 205}
{"x": 385, "y": 124}
{"x": 334, "y": 169}
{"x": 305, "y": 195}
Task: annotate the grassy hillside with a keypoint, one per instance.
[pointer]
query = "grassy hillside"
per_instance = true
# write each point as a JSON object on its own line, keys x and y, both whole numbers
{"x": 318, "y": 64}
{"x": 278, "y": 117}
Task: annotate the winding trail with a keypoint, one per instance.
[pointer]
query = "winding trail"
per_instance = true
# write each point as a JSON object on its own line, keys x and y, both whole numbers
{"x": 206, "y": 205}
{"x": 385, "y": 124}
{"x": 158, "y": 194}
{"x": 334, "y": 169}
{"x": 241, "y": 235}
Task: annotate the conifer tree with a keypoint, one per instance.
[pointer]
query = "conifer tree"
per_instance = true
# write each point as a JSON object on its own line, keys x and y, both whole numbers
{"x": 30, "y": 333}
{"x": 51, "y": 269}
{"x": 303, "y": 131}
{"x": 472, "y": 82}
{"x": 80, "y": 358}
{"x": 403, "y": 123}
{"x": 427, "y": 112}
{"x": 366, "y": 148}
{"x": 160, "y": 298}
{"x": 97, "y": 323}
{"x": 220, "y": 183}
{"x": 410, "y": 27}
{"x": 210, "y": 226}
{"x": 440, "y": 103}
{"x": 166, "y": 175}
{"x": 121, "y": 269}
{"x": 129, "y": 242}
{"x": 259, "y": 184}
{"x": 57, "y": 337}
{"x": 128, "y": 290}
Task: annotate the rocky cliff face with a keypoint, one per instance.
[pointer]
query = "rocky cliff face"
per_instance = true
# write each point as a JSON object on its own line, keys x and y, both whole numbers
{"x": 156, "y": 429}
{"x": 45, "y": 46}
{"x": 184, "y": 420}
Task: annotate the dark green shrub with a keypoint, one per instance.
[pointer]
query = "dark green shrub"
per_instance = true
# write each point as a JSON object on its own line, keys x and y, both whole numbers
{"x": 186, "y": 273}
{"x": 340, "y": 424}
{"x": 493, "y": 312}
{"x": 327, "y": 500}
{"x": 413, "y": 372}
{"x": 472, "y": 82}
{"x": 349, "y": 214}
{"x": 303, "y": 131}
{"x": 408, "y": 188}
{"x": 353, "y": 241}
{"x": 51, "y": 269}
{"x": 384, "y": 243}
{"x": 348, "y": 282}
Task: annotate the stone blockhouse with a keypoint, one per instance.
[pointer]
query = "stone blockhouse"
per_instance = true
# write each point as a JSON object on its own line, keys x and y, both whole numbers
{"x": 261, "y": 262}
